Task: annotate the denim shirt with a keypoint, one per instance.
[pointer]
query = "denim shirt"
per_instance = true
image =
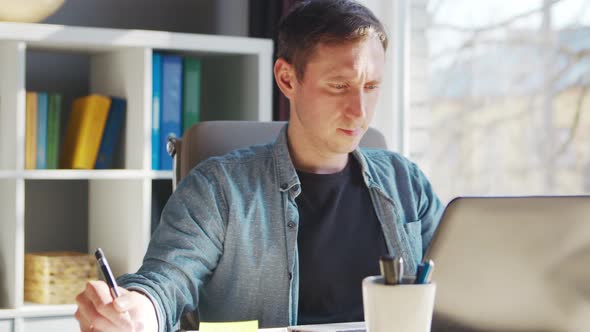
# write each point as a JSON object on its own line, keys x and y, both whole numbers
{"x": 227, "y": 240}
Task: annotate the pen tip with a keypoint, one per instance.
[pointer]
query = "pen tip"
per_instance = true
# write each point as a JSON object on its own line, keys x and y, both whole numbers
{"x": 98, "y": 253}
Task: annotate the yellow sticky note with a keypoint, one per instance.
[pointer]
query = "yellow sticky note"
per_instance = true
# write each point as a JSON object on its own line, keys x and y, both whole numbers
{"x": 246, "y": 326}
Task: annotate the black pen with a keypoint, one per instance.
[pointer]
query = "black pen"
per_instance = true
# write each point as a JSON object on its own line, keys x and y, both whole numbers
{"x": 106, "y": 271}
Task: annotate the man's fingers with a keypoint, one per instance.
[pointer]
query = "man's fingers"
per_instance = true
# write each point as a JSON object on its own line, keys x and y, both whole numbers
{"x": 98, "y": 292}
{"x": 124, "y": 302}
{"x": 97, "y": 308}
{"x": 83, "y": 322}
{"x": 86, "y": 313}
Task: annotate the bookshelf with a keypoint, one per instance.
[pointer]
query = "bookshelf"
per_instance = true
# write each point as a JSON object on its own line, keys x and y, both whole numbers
{"x": 47, "y": 210}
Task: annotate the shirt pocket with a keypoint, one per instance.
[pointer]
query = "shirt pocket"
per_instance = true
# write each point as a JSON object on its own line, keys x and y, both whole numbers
{"x": 414, "y": 235}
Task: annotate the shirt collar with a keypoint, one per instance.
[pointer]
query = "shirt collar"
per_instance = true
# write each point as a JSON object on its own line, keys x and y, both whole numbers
{"x": 287, "y": 174}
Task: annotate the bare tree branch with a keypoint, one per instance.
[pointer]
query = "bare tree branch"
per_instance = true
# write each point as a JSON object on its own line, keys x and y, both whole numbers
{"x": 436, "y": 7}
{"x": 492, "y": 26}
{"x": 519, "y": 41}
{"x": 575, "y": 123}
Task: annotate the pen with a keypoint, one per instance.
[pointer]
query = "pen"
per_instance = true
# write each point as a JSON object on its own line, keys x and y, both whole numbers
{"x": 387, "y": 269}
{"x": 398, "y": 268}
{"x": 106, "y": 271}
{"x": 428, "y": 275}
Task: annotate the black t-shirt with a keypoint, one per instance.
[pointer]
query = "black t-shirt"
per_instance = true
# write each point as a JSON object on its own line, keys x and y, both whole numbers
{"x": 340, "y": 240}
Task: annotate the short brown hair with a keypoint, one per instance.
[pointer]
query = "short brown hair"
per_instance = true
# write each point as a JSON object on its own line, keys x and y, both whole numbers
{"x": 311, "y": 22}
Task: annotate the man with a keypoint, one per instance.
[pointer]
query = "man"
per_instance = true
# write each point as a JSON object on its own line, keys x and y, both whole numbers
{"x": 285, "y": 232}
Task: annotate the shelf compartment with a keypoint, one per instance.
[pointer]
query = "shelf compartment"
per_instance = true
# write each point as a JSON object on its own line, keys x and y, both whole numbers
{"x": 82, "y": 215}
{"x": 118, "y": 73}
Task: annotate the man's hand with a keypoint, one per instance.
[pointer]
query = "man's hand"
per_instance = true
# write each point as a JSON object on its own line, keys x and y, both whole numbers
{"x": 97, "y": 312}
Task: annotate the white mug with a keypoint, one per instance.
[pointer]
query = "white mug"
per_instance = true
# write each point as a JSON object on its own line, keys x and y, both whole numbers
{"x": 403, "y": 307}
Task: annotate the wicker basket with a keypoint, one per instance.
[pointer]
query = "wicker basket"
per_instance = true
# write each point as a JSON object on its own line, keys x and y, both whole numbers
{"x": 57, "y": 277}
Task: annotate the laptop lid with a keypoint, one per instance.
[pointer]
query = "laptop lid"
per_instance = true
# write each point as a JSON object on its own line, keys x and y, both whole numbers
{"x": 514, "y": 263}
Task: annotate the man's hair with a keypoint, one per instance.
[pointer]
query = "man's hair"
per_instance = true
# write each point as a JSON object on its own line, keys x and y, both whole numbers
{"x": 311, "y": 22}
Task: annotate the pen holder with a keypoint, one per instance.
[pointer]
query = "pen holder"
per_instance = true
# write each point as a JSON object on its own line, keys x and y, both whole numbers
{"x": 402, "y": 307}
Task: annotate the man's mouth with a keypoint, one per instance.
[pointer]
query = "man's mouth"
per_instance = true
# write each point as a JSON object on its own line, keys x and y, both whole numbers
{"x": 351, "y": 132}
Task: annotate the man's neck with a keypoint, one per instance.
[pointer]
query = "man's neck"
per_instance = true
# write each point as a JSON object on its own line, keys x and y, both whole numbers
{"x": 310, "y": 160}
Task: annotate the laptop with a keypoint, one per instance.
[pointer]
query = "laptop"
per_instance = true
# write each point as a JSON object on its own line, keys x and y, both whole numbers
{"x": 514, "y": 263}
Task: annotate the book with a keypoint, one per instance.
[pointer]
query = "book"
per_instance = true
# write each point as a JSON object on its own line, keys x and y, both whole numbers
{"x": 111, "y": 137}
{"x": 31, "y": 130}
{"x": 156, "y": 105}
{"x": 84, "y": 131}
{"x": 53, "y": 130}
{"x": 42, "y": 110}
{"x": 171, "y": 117}
{"x": 191, "y": 96}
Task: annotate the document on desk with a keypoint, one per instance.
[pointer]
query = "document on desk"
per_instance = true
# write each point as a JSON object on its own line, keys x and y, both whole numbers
{"x": 233, "y": 327}
{"x": 246, "y": 326}
{"x": 241, "y": 327}
{"x": 336, "y": 327}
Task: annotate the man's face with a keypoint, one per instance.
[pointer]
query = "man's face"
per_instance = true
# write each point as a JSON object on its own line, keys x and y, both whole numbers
{"x": 335, "y": 101}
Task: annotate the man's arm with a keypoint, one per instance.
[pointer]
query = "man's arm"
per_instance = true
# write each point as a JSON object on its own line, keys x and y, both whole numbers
{"x": 430, "y": 208}
{"x": 185, "y": 248}
{"x": 183, "y": 252}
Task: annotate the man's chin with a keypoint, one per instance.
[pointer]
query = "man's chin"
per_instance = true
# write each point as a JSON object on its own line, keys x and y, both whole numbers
{"x": 346, "y": 148}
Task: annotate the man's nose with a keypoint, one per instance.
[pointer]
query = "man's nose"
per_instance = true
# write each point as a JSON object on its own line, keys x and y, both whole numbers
{"x": 356, "y": 107}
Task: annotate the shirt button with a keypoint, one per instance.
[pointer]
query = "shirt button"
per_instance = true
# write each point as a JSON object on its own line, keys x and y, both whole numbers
{"x": 291, "y": 224}
{"x": 284, "y": 186}
{"x": 290, "y": 276}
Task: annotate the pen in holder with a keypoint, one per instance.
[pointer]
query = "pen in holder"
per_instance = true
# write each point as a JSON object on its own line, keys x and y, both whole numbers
{"x": 392, "y": 269}
{"x": 404, "y": 307}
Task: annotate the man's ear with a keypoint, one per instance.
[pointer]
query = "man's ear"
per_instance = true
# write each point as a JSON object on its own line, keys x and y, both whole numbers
{"x": 285, "y": 77}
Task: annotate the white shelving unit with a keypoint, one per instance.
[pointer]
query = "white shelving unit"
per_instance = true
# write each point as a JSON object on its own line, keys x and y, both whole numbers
{"x": 47, "y": 209}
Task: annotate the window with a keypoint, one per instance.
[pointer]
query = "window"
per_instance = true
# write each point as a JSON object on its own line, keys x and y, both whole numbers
{"x": 500, "y": 96}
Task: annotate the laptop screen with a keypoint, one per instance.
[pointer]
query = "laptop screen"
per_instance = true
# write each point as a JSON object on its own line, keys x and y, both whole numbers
{"x": 514, "y": 263}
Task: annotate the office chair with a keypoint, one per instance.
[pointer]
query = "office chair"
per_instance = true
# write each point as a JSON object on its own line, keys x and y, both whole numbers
{"x": 216, "y": 138}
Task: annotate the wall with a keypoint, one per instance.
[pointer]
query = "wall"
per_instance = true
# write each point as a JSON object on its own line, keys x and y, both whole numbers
{"x": 196, "y": 16}
{"x": 226, "y": 17}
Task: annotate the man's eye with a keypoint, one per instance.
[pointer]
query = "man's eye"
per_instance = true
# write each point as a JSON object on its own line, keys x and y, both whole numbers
{"x": 338, "y": 86}
{"x": 371, "y": 86}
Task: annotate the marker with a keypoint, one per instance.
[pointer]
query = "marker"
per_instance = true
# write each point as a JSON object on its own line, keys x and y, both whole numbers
{"x": 424, "y": 275}
{"x": 387, "y": 269}
{"x": 106, "y": 271}
{"x": 419, "y": 270}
